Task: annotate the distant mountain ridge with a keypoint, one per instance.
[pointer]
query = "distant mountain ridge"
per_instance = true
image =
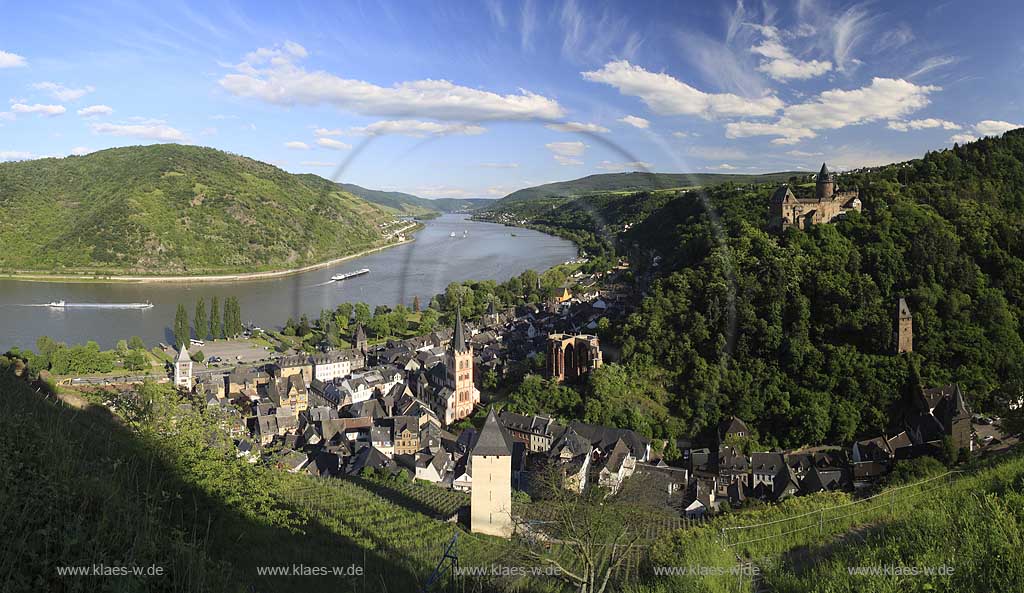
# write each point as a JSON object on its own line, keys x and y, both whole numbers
{"x": 174, "y": 209}
{"x": 636, "y": 181}
{"x": 410, "y": 205}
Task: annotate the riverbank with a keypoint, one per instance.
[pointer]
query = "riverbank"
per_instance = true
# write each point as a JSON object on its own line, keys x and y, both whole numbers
{"x": 103, "y": 278}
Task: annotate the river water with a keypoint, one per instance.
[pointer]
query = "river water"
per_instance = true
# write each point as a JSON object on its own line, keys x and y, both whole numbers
{"x": 421, "y": 268}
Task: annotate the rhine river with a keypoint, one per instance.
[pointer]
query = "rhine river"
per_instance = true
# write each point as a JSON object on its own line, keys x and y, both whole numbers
{"x": 424, "y": 267}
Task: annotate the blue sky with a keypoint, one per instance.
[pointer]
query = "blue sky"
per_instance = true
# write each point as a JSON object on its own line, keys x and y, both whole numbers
{"x": 467, "y": 99}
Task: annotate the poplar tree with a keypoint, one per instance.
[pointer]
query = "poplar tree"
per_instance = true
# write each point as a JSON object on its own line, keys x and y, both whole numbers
{"x": 216, "y": 330}
{"x": 181, "y": 330}
{"x": 201, "y": 322}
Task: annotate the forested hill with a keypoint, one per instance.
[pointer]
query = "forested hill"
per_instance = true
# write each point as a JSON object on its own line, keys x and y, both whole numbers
{"x": 794, "y": 332}
{"x": 633, "y": 182}
{"x": 408, "y": 204}
{"x": 171, "y": 209}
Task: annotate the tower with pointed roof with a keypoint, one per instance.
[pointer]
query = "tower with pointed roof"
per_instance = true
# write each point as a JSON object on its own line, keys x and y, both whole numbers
{"x": 825, "y": 184}
{"x": 459, "y": 374}
{"x": 183, "y": 369}
{"x": 904, "y": 328}
{"x": 360, "y": 340}
{"x": 491, "y": 496}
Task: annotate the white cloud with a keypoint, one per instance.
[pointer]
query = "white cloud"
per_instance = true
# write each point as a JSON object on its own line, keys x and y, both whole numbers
{"x": 575, "y": 126}
{"x": 722, "y": 167}
{"x": 94, "y": 110}
{"x": 417, "y": 128}
{"x": 318, "y": 164}
{"x": 630, "y": 166}
{"x": 991, "y": 127}
{"x": 803, "y": 154}
{"x": 272, "y": 75}
{"x": 63, "y": 93}
{"x": 922, "y": 124}
{"x": 499, "y": 165}
{"x": 683, "y": 134}
{"x": 80, "y": 150}
{"x": 567, "y": 161}
{"x": 326, "y": 132}
{"x": 636, "y": 122}
{"x": 16, "y": 155}
{"x": 150, "y": 130}
{"x": 788, "y": 134}
{"x": 333, "y": 144}
{"x": 9, "y": 60}
{"x": 884, "y": 98}
{"x": 962, "y": 138}
{"x": 296, "y": 145}
{"x": 47, "y": 110}
{"x": 666, "y": 95}
{"x": 717, "y": 153}
{"x": 567, "y": 148}
{"x": 780, "y": 64}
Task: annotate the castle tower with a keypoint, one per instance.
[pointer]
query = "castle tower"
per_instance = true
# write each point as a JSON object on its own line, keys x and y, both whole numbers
{"x": 904, "y": 328}
{"x": 490, "y": 501}
{"x": 459, "y": 366}
{"x": 825, "y": 185}
{"x": 360, "y": 340}
{"x": 183, "y": 369}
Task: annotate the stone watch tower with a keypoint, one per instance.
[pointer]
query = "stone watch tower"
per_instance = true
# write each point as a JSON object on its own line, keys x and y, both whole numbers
{"x": 490, "y": 502}
{"x": 904, "y": 328}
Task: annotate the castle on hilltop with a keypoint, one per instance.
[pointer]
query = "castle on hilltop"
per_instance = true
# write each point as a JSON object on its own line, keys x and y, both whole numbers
{"x": 787, "y": 210}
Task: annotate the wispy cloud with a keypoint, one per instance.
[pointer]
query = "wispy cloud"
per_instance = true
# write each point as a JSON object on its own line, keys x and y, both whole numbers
{"x": 932, "y": 64}
{"x": 567, "y": 153}
{"x": 17, "y": 155}
{"x": 499, "y": 165}
{"x": 575, "y": 126}
{"x": 333, "y": 144}
{"x": 630, "y": 166}
{"x": 63, "y": 93}
{"x": 47, "y": 110}
{"x": 922, "y": 124}
{"x": 296, "y": 145}
{"x": 416, "y": 128}
{"x": 151, "y": 130}
{"x": 95, "y": 110}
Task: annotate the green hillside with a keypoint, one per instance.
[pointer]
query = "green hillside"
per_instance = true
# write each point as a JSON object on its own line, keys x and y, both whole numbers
{"x": 172, "y": 209}
{"x": 794, "y": 331}
{"x": 160, "y": 485}
{"x": 635, "y": 181}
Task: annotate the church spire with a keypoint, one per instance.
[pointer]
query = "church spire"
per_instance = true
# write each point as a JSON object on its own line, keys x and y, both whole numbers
{"x": 459, "y": 333}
